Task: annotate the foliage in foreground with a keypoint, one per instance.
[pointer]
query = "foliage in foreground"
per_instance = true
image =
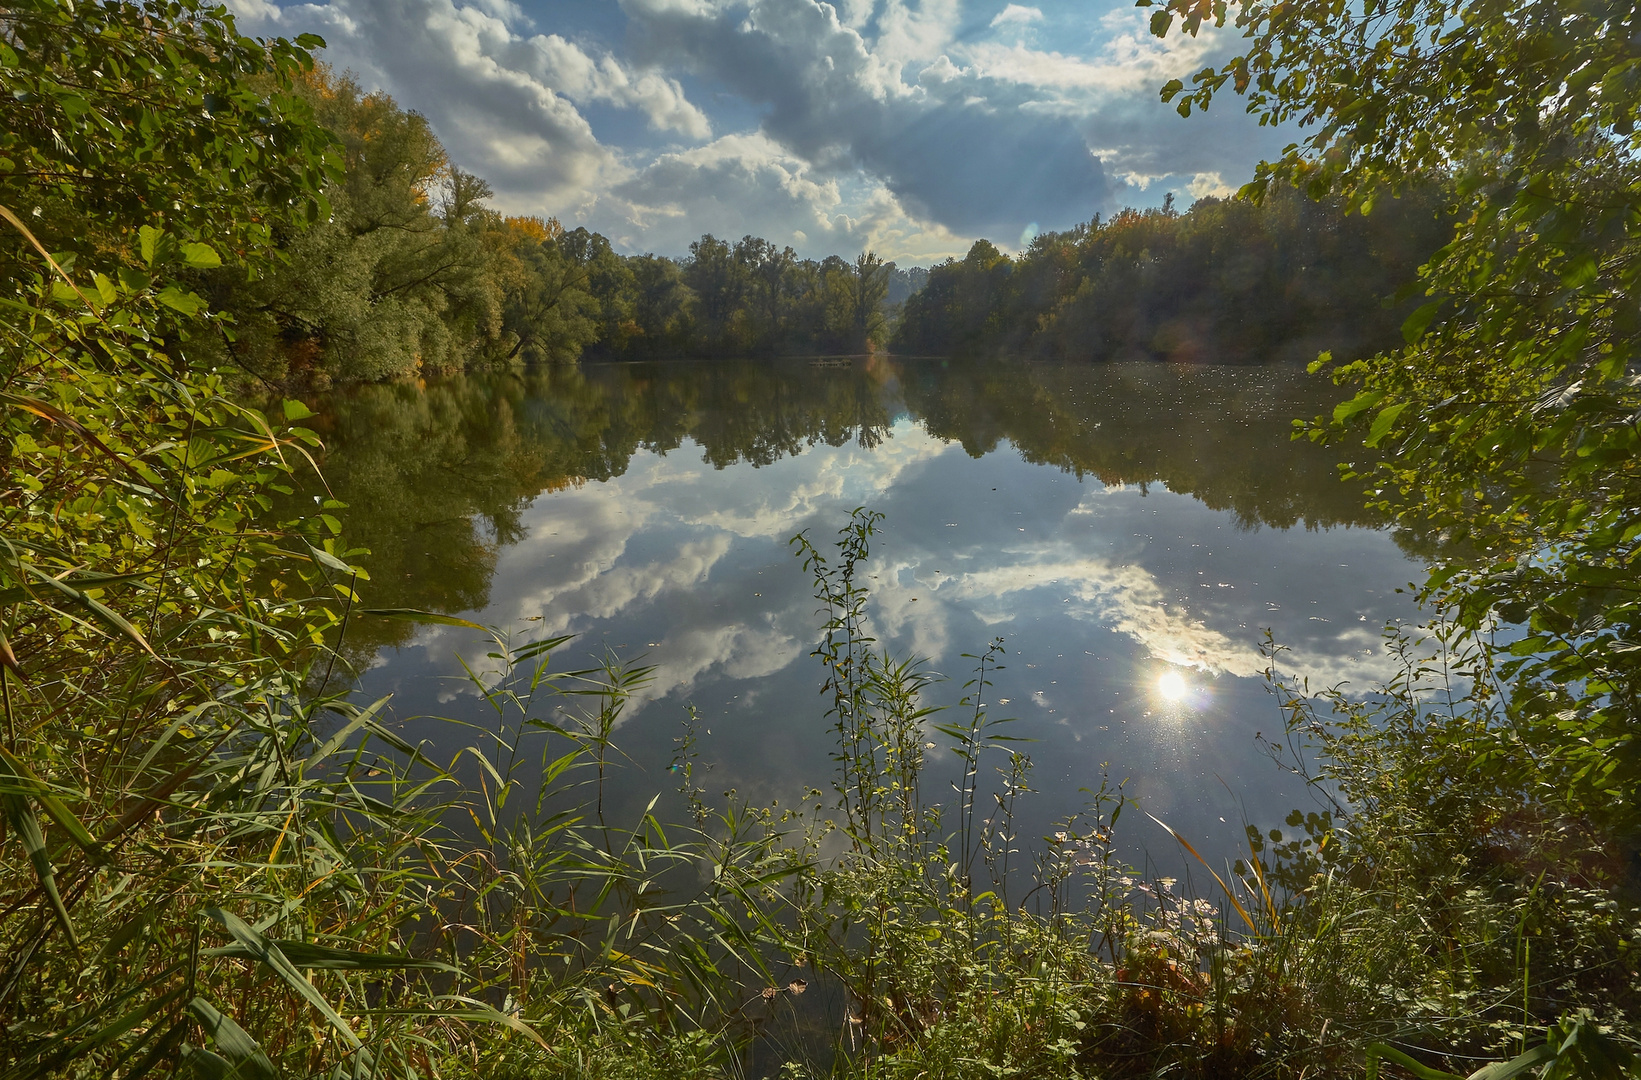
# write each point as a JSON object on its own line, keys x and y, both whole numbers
{"x": 264, "y": 893}
{"x": 1510, "y": 414}
{"x": 209, "y": 863}
{"x": 212, "y": 865}
{"x": 1424, "y": 910}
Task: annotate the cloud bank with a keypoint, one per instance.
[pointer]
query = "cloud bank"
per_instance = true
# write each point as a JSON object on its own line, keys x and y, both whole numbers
{"x": 908, "y": 126}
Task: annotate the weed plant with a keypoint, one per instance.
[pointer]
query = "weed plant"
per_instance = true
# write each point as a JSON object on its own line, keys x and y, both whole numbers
{"x": 1439, "y": 911}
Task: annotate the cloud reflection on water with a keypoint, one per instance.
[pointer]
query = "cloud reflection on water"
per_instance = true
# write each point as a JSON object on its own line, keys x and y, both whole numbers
{"x": 676, "y": 551}
{"x": 673, "y": 529}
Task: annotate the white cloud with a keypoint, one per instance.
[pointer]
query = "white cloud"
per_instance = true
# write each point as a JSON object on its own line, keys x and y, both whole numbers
{"x": 1017, "y": 15}
{"x": 1072, "y": 84}
{"x": 503, "y": 103}
{"x": 940, "y": 72}
{"x": 574, "y": 72}
{"x": 693, "y": 558}
{"x": 732, "y": 183}
{"x": 892, "y": 124}
{"x": 956, "y": 147}
{"x": 980, "y": 135}
{"x": 1123, "y": 596}
{"x": 741, "y": 184}
{"x": 1204, "y": 184}
{"x": 813, "y": 482}
{"x": 576, "y": 566}
{"x": 253, "y": 11}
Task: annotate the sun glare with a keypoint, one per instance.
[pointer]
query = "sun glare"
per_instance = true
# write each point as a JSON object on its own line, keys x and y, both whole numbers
{"x": 1172, "y": 686}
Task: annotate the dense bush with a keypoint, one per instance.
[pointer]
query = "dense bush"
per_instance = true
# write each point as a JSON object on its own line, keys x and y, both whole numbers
{"x": 210, "y": 863}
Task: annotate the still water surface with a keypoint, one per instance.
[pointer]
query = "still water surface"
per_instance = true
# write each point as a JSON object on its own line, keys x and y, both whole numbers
{"x": 1130, "y": 531}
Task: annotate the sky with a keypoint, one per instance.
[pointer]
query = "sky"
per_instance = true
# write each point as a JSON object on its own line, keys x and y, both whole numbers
{"x": 906, "y": 127}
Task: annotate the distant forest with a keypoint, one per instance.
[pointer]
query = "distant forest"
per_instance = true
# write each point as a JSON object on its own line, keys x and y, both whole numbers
{"x": 1228, "y": 280}
{"x": 413, "y": 274}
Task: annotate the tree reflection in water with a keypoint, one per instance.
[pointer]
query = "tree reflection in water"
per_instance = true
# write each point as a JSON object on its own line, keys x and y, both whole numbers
{"x": 437, "y": 475}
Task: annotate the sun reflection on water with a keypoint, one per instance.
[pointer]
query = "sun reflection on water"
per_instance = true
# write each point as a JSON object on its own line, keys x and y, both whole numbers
{"x": 1179, "y": 690}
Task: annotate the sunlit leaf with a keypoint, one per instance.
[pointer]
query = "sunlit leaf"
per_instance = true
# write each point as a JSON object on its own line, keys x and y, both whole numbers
{"x": 200, "y": 256}
{"x": 1384, "y": 422}
{"x": 177, "y": 300}
{"x": 149, "y": 238}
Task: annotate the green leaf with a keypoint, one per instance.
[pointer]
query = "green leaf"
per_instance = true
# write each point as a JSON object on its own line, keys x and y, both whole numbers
{"x": 1527, "y": 646}
{"x": 132, "y": 280}
{"x": 478, "y": 1010}
{"x": 1382, "y": 423}
{"x": 200, "y": 256}
{"x": 104, "y": 614}
{"x": 1413, "y": 329}
{"x": 149, "y": 241}
{"x": 1160, "y": 22}
{"x": 105, "y": 288}
{"x": 79, "y": 581}
{"x": 248, "y": 1059}
{"x": 260, "y": 948}
{"x": 60, "y": 813}
{"x": 295, "y": 410}
{"x": 208, "y": 1066}
{"x": 1508, "y": 1070}
{"x": 174, "y": 298}
{"x": 320, "y": 957}
{"x": 325, "y": 558}
{"x": 20, "y": 816}
{"x": 364, "y": 717}
{"x": 1580, "y": 271}
{"x": 1376, "y": 1051}
{"x": 1362, "y": 402}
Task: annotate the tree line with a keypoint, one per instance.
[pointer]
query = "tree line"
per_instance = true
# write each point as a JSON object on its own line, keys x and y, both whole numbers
{"x": 1226, "y": 280}
{"x": 411, "y": 272}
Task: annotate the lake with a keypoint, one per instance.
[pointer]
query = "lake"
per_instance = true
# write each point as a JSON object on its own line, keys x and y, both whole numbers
{"x": 1130, "y": 531}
